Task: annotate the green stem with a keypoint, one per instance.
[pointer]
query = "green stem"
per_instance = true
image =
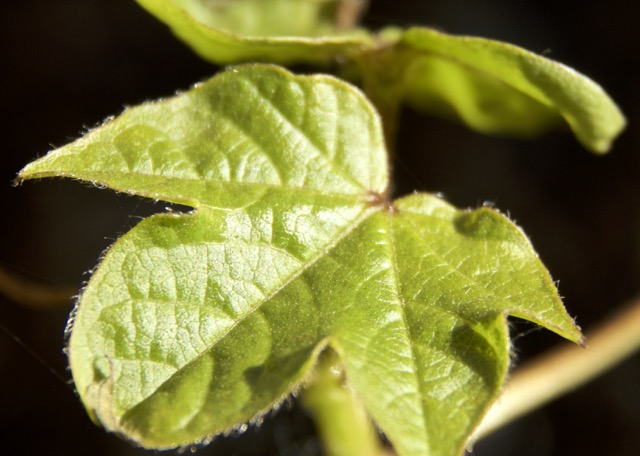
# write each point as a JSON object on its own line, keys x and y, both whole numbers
{"x": 343, "y": 425}
{"x": 387, "y": 104}
{"x": 565, "y": 369}
{"x": 381, "y": 70}
{"x": 381, "y": 87}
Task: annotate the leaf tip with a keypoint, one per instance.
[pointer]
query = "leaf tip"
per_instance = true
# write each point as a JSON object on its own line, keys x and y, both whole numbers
{"x": 576, "y": 336}
{"x": 602, "y": 146}
{"x": 18, "y": 180}
{"x": 25, "y": 173}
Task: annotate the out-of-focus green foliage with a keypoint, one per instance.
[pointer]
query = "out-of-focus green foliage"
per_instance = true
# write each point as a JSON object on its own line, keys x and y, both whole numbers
{"x": 492, "y": 87}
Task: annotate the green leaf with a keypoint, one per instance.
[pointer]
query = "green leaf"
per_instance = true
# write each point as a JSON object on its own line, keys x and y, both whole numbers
{"x": 491, "y": 86}
{"x": 499, "y": 88}
{"x": 236, "y": 31}
{"x": 196, "y": 323}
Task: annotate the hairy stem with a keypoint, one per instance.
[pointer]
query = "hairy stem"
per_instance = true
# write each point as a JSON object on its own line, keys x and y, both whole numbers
{"x": 343, "y": 424}
{"x": 565, "y": 369}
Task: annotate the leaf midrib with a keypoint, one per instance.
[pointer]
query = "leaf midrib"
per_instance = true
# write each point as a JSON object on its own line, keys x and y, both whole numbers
{"x": 98, "y": 181}
{"x": 398, "y": 289}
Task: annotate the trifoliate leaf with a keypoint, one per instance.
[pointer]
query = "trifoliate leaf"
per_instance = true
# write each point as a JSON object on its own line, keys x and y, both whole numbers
{"x": 499, "y": 88}
{"x": 277, "y": 31}
{"x": 196, "y": 323}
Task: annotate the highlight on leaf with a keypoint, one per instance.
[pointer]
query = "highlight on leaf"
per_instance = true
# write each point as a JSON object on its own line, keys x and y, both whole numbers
{"x": 195, "y": 323}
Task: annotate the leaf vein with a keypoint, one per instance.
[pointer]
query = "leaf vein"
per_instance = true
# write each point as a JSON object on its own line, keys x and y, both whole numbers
{"x": 455, "y": 271}
{"x": 256, "y": 307}
{"x": 321, "y": 152}
{"x": 398, "y": 290}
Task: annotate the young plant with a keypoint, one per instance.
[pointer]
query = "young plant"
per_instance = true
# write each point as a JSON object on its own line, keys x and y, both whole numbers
{"x": 297, "y": 271}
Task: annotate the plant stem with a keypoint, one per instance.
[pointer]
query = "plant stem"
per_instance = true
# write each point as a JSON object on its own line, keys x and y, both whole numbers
{"x": 32, "y": 294}
{"x": 349, "y": 12}
{"x": 343, "y": 425}
{"x": 565, "y": 369}
{"x": 379, "y": 71}
{"x": 381, "y": 87}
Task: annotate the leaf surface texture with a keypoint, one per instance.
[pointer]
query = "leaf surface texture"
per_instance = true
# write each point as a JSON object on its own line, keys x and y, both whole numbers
{"x": 196, "y": 323}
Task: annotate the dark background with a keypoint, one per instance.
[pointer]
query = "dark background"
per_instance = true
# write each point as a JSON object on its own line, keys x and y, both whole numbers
{"x": 68, "y": 64}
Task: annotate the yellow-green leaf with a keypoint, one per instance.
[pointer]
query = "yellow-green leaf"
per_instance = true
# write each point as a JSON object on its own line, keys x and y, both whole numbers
{"x": 491, "y": 86}
{"x": 499, "y": 88}
{"x": 196, "y": 323}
